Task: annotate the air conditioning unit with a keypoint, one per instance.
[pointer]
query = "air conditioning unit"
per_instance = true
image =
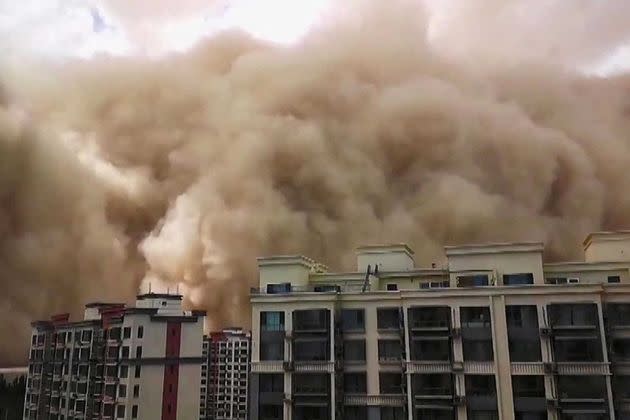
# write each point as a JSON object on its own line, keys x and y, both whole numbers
{"x": 573, "y": 280}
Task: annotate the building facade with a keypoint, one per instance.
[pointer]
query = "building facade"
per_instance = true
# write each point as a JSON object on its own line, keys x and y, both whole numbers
{"x": 224, "y": 375}
{"x": 495, "y": 334}
{"x": 141, "y": 362}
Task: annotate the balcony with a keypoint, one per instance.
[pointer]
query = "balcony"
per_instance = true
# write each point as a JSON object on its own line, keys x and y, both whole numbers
{"x": 479, "y": 368}
{"x": 383, "y": 400}
{"x": 528, "y": 368}
{"x": 314, "y": 366}
{"x": 583, "y": 368}
{"x": 428, "y": 366}
{"x": 275, "y": 366}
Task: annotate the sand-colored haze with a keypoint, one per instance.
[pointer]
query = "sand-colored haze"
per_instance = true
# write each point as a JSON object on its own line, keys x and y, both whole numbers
{"x": 186, "y": 168}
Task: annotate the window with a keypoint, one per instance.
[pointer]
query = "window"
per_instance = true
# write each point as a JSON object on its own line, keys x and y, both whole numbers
{"x": 472, "y": 281}
{"x": 137, "y": 371}
{"x": 124, "y": 371}
{"x": 136, "y": 391}
{"x": 271, "y": 350}
{"x": 388, "y": 318}
{"x": 125, "y": 352}
{"x": 391, "y": 287}
{"x": 134, "y": 412}
{"x": 140, "y": 331}
{"x": 122, "y": 390}
{"x": 525, "y": 316}
{"x": 524, "y": 350}
{"x": 138, "y": 352}
{"x": 311, "y": 350}
{"x": 311, "y": 320}
{"x": 393, "y": 413}
{"x": 390, "y": 383}
{"x": 432, "y": 349}
{"x": 518, "y": 279}
{"x": 614, "y": 279}
{"x": 354, "y": 350}
{"x": 526, "y": 386}
{"x": 311, "y": 383}
{"x": 478, "y": 350}
{"x": 389, "y": 350}
{"x": 271, "y": 382}
{"x": 278, "y": 288}
{"x": 480, "y": 385}
{"x": 120, "y": 412}
{"x": 475, "y": 317}
{"x": 355, "y": 383}
{"x": 272, "y": 321}
{"x": 556, "y": 280}
{"x": 353, "y": 320}
{"x": 127, "y": 332}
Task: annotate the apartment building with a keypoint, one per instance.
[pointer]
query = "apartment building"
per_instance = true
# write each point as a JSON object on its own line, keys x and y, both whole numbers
{"x": 224, "y": 375}
{"x": 494, "y": 334}
{"x": 140, "y": 362}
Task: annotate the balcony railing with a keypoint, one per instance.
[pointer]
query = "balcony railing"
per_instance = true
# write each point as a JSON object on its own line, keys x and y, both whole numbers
{"x": 311, "y": 288}
{"x": 314, "y": 366}
{"x": 267, "y": 366}
{"x": 429, "y": 367}
{"x": 528, "y": 368}
{"x": 583, "y": 368}
{"x": 389, "y": 400}
{"x": 479, "y": 368}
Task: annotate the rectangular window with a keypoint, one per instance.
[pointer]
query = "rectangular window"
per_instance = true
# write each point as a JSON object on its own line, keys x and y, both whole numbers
{"x": 389, "y": 350}
{"x": 390, "y": 383}
{"x": 271, "y": 382}
{"x": 355, "y": 383}
{"x": 480, "y": 385}
{"x": 518, "y": 279}
{"x": 136, "y": 391}
{"x": 122, "y": 391}
{"x": 475, "y": 317}
{"x": 388, "y": 318}
{"x": 120, "y": 412}
{"x": 140, "y": 331}
{"x": 391, "y": 287}
{"x": 472, "y": 281}
{"x": 127, "y": 332}
{"x": 125, "y": 352}
{"x": 134, "y": 412}
{"x": 353, "y": 320}
{"x": 354, "y": 350}
{"x": 273, "y": 289}
{"x": 124, "y": 371}
{"x": 137, "y": 371}
{"x": 138, "y": 352}
{"x": 614, "y": 279}
{"x": 526, "y": 386}
{"x": 272, "y": 321}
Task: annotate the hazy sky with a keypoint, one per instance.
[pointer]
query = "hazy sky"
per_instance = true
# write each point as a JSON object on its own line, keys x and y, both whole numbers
{"x": 81, "y": 28}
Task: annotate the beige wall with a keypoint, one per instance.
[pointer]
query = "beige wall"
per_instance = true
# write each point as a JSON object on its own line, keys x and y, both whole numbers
{"x": 188, "y": 392}
{"x": 500, "y": 263}
{"x": 608, "y": 249}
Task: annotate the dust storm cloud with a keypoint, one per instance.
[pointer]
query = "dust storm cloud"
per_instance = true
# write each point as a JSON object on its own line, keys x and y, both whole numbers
{"x": 119, "y": 171}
